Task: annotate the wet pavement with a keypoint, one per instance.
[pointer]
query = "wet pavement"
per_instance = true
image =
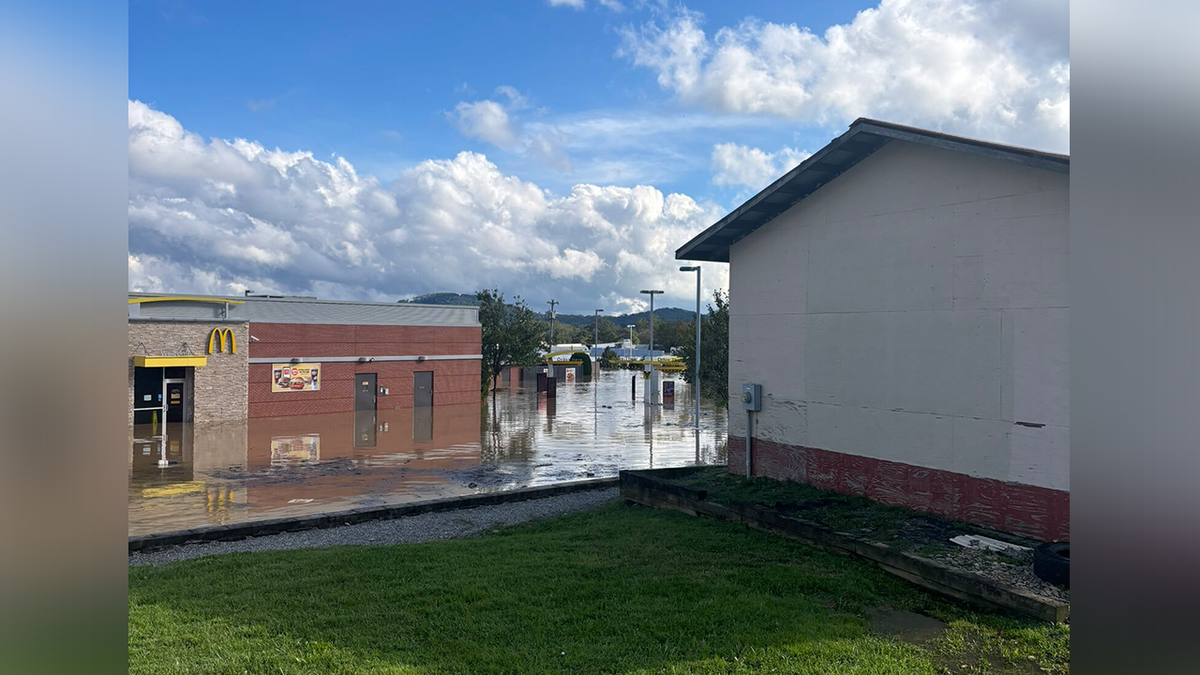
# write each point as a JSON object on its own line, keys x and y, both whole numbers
{"x": 187, "y": 475}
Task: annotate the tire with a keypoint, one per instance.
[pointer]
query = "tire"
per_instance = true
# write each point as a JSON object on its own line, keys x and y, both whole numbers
{"x": 1052, "y": 562}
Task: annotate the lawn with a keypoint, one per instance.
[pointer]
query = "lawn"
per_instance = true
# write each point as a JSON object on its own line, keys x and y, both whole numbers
{"x": 621, "y": 589}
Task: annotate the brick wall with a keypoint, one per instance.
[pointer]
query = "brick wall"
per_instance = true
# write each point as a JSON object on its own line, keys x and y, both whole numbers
{"x": 455, "y": 381}
{"x": 1021, "y": 509}
{"x": 218, "y": 390}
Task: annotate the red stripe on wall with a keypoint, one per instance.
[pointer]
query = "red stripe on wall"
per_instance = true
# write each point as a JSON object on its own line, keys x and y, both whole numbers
{"x": 1025, "y": 510}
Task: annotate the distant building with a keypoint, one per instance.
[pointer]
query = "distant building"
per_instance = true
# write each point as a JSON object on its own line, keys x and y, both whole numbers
{"x": 902, "y": 298}
{"x": 205, "y": 359}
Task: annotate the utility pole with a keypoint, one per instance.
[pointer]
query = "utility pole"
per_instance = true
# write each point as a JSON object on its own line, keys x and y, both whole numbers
{"x": 552, "y": 303}
{"x": 696, "y": 377}
{"x": 629, "y": 354}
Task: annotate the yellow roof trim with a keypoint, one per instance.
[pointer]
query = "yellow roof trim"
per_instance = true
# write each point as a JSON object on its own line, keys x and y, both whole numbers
{"x": 143, "y": 361}
{"x": 186, "y": 298}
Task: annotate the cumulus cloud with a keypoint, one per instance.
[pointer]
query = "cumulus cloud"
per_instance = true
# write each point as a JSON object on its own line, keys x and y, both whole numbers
{"x": 490, "y": 121}
{"x": 486, "y": 121}
{"x": 735, "y": 164}
{"x": 997, "y": 69}
{"x": 219, "y": 216}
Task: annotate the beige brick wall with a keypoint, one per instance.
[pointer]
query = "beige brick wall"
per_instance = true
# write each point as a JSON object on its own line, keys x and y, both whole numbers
{"x": 218, "y": 390}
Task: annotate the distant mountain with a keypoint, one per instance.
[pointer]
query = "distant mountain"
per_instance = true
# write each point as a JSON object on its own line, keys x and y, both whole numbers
{"x": 444, "y": 299}
{"x": 668, "y": 314}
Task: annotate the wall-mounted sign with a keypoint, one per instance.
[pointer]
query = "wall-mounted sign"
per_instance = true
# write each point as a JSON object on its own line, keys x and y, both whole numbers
{"x": 295, "y": 377}
{"x": 217, "y": 338}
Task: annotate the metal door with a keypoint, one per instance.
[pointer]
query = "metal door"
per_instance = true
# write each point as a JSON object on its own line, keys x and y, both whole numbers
{"x": 423, "y": 423}
{"x": 423, "y": 389}
{"x": 364, "y": 429}
{"x": 365, "y": 391}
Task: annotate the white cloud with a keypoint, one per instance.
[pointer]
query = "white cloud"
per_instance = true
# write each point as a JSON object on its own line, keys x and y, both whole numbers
{"x": 573, "y": 4}
{"x": 490, "y": 121}
{"x": 614, "y": 5}
{"x": 219, "y": 216}
{"x": 997, "y": 69}
{"x": 735, "y": 164}
{"x": 487, "y": 121}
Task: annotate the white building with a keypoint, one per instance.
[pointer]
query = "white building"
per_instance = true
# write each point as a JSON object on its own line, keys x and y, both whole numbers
{"x": 902, "y": 298}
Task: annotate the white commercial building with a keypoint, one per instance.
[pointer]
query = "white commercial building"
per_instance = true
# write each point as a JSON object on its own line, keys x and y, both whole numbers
{"x": 902, "y": 298}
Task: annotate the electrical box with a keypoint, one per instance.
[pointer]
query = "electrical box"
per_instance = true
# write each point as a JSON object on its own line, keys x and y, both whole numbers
{"x": 752, "y": 397}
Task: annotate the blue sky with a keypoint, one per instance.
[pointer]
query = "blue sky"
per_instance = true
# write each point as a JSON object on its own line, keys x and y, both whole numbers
{"x": 335, "y": 133}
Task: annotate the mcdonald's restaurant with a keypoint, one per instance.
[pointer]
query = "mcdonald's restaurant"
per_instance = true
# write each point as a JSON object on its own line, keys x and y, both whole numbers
{"x": 188, "y": 371}
{"x": 207, "y": 359}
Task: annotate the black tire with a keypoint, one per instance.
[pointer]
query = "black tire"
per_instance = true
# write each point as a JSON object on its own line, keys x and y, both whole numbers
{"x": 1052, "y": 562}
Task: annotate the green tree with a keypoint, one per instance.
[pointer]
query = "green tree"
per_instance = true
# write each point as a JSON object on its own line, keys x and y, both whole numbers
{"x": 666, "y": 333}
{"x": 611, "y": 332}
{"x": 608, "y": 358}
{"x": 714, "y": 350}
{"x": 511, "y": 335}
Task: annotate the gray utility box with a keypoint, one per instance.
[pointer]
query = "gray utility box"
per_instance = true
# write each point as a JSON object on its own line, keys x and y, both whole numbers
{"x": 752, "y": 397}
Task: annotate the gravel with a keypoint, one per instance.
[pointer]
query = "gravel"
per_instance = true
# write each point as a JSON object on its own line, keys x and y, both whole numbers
{"x": 425, "y": 527}
{"x": 995, "y": 566}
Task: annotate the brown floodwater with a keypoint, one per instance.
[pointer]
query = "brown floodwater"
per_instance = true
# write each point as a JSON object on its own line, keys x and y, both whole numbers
{"x": 185, "y": 475}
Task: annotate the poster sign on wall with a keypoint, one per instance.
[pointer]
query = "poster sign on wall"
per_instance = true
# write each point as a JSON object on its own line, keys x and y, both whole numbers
{"x": 295, "y": 377}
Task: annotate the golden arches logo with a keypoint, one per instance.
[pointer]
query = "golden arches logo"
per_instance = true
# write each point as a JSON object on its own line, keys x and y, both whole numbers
{"x": 217, "y": 337}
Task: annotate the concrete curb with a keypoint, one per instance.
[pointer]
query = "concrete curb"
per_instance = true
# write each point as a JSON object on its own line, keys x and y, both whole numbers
{"x": 654, "y": 488}
{"x": 150, "y": 542}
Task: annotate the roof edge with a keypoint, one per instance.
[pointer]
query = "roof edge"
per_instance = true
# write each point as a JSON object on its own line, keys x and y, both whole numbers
{"x": 860, "y": 140}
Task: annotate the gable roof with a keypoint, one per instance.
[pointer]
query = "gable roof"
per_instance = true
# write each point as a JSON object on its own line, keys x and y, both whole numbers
{"x": 864, "y": 137}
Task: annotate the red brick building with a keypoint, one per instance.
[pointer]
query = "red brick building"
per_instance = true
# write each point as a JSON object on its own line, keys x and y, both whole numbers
{"x": 211, "y": 358}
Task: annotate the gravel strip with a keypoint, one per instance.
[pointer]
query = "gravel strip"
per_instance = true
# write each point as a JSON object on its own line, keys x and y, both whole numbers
{"x": 997, "y": 567}
{"x": 425, "y": 527}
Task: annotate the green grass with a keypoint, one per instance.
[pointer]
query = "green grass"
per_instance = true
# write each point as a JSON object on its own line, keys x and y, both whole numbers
{"x": 621, "y": 589}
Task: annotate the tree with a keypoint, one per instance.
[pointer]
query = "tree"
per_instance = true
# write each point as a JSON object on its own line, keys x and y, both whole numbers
{"x": 511, "y": 335}
{"x": 608, "y": 358}
{"x": 611, "y": 332}
{"x": 714, "y": 350}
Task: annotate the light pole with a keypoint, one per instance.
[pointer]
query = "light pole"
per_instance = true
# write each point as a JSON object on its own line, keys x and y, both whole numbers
{"x": 696, "y": 376}
{"x": 651, "y": 294}
{"x": 552, "y": 303}
{"x": 596, "y": 330}
{"x": 629, "y": 355}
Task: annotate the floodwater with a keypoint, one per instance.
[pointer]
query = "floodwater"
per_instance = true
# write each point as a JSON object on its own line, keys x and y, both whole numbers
{"x": 187, "y": 475}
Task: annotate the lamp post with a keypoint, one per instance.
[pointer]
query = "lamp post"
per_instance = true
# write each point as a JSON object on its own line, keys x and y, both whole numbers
{"x": 696, "y": 376}
{"x": 596, "y": 330}
{"x": 651, "y": 294}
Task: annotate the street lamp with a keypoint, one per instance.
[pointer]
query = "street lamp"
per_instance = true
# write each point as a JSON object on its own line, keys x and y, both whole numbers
{"x": 696, "y": 376}
{"x": 651, "y": 294}
{"x": 596, "y": 330}
{"x": 629, "y": 355}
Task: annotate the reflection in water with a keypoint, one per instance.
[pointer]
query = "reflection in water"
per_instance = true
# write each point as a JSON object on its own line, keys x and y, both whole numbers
{"x": 266, "y": 468}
